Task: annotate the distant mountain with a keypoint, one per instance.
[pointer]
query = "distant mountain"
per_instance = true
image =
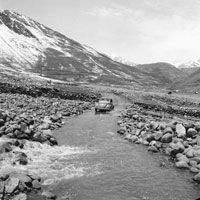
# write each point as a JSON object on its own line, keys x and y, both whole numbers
{"x": 190, "y": 64}
{"x": 123, "y": 60}
{"x": 164, "y": 72}
{"x": 190, "y": 67}
{"x": 28, "y": 46}
{"x": 189, "y": 83}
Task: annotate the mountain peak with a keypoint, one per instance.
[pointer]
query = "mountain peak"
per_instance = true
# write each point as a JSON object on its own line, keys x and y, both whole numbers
{"x": 16, "y": 22}
{"x": 30, "y": 47}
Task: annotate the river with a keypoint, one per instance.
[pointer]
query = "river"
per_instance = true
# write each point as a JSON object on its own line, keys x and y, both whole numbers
{"x": 92, "y": 162}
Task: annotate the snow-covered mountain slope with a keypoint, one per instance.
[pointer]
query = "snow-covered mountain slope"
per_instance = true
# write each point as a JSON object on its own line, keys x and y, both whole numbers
{"x": 122, "y": 60}
{"x": 190, "y": 66}
{"x": 28, "y": 46}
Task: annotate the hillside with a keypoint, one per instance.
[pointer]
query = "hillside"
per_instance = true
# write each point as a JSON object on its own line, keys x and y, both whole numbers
{"x": 165, "y": 73}
{"x": 190, "y": 67}
{"x": 190, "y": 83}
{"x": 30, "y": 47}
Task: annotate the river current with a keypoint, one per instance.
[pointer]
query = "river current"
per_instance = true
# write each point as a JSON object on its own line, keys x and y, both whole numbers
{"x": 92, "y": 162}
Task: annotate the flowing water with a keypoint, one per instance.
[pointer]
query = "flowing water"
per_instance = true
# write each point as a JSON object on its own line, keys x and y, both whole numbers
{"x": 92, "y": 162}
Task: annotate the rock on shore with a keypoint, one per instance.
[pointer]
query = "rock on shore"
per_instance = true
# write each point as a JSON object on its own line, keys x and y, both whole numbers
{"x": 175, "y": 137}
{"x": 27, "y": 118}
{"x": 16, "y": 185}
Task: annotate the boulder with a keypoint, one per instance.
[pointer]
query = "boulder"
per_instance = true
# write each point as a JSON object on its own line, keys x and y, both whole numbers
{"x": 193, "y": 141}
{"x": 17, "y": 133}
{"x": 137, "y": 132}
{"x": 197, "y": 178}
{"x": 167, "y": 138}
{"x": 158, "y": 136}
{"x": 196, "y": 158}
{"x": 158, "y": 144}
{"x": 172, "y": 125}
{"x": 4, "y": 176}
{"x": 162, "y": 126}
{"x": 180, "y": 130}
{"x": 182, "y": 165}
{"x": 21, "y": 158}
{"x": 133, "y": 138}
{"x": 145, "y": 142}
{"x": 122, "y": 130}
{"x": 186, "y": 144}
{"x": 188, "y": 125}
{"x": 178, "y": 155}
{"x": 152, "y": 143}
{"x": 140, "y": 125}
{"x": 47, "y": 132}
{"x": 197, "y": 126}
{"x": 193, "y": 163}
{"x": 139, "y": 141}
{"x": 9, "y": 130}
{"x": 127, "y": 137}
{"x": 154, "y": 125}
{"x": 55, "y": 118}
{"x": 183, "y": 158}
{"x": 175, "y": 140}
{"x": 23, "y": 178}
{"x": 49, "y": 195}
{"x": 150, "y": 137}
{"x": 198, "y": 140}
{"x": 23, "y": 127}
{"x": 191, "y": 132}
{"x": 47, "y": 120}
{"x": 66, "y": 114}
{"x": 194, "y": 170}
{"x": 21, "y": 196}
{"x": 36, "y": 185}
{"x": 190, "y": 153}
{"x": 44, "y": 126}
{"x": 167, "y": 151}
{"x": 53, "y": 141}
{"x": 1, "y": 122}
{"x": 176, "y": 148}
{"x": 39, "y": 137}
{"x": 153, "y": 149}
{"x": 2, "y": 187}
{"x": 119, "y": 122}
{"x": 35, "y": 177}
{"x": 168, "y": 130}
{"x": 198, "y": 166}
{"x": 11, "y": 185}
{"x": 196, "y": 153}
{"x": 5, "y": 147}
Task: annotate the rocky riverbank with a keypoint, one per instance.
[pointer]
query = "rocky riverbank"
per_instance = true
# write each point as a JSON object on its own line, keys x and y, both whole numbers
{"x": 29, "y": 114}
{"x": 176, "y": 137}
{"x": 35, "y": 88}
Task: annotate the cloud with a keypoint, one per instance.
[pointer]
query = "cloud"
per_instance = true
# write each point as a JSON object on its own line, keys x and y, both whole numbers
{"x": 113, "y": 10}
{"x": 1, "y": 6}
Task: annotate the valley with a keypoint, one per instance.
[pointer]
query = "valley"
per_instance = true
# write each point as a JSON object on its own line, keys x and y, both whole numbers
{"x": 54, "y": 146}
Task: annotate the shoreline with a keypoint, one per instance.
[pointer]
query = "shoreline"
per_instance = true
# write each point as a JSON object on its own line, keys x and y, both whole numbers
{"x": 32, "y": 118}
{"x": 177, "y": 138}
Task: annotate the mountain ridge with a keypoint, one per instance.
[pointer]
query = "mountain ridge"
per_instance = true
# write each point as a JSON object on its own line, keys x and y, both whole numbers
{"x": 28, "y": 46}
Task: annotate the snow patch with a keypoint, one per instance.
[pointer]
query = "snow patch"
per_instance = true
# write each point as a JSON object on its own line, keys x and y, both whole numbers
{"x": 90, "y": 50}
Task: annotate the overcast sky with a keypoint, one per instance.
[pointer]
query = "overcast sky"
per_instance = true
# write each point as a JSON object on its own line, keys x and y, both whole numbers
{"x": 142, "y": 31}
